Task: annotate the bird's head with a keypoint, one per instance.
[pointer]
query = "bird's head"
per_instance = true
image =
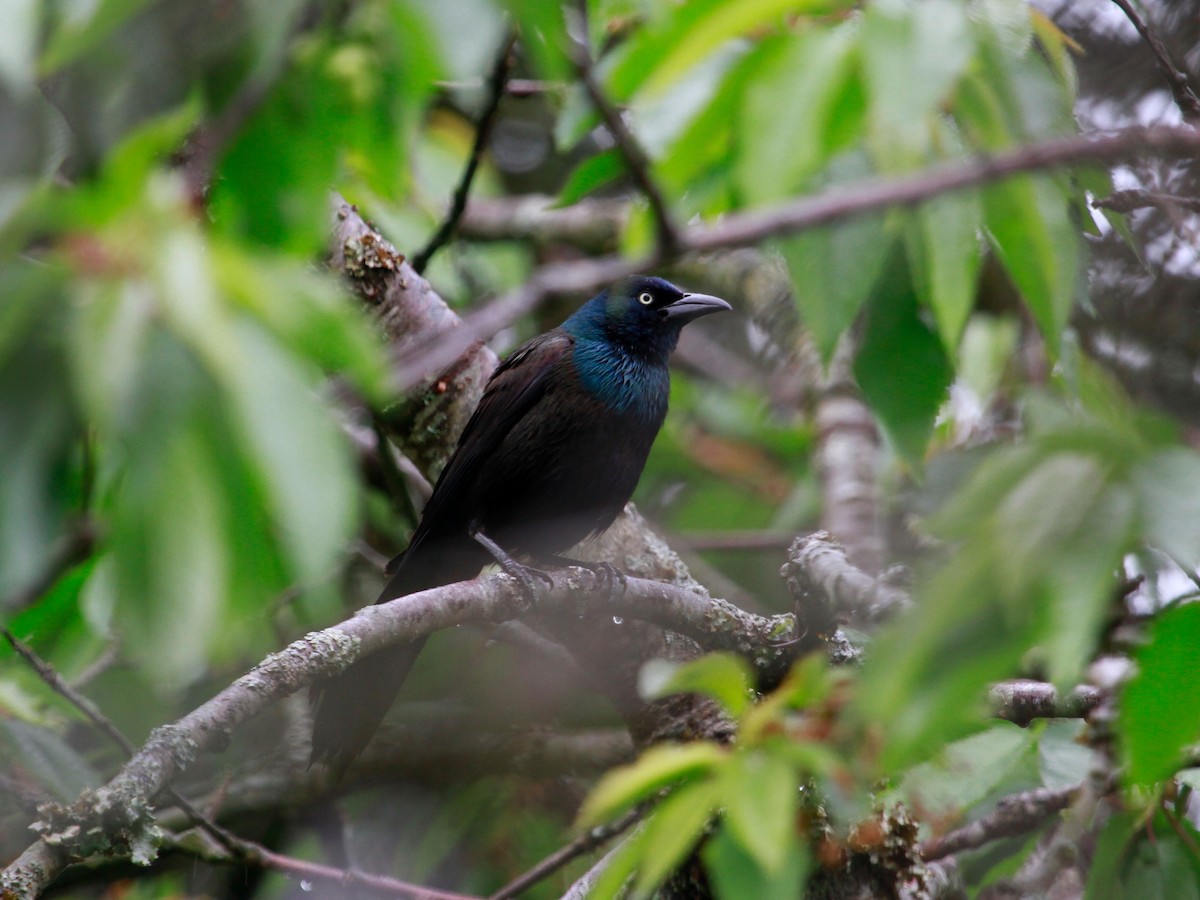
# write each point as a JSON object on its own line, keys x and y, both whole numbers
{"x": 641, "y": 311}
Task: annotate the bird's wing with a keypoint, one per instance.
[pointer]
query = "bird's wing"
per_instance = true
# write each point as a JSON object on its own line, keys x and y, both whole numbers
{"x": 516, "y": 385}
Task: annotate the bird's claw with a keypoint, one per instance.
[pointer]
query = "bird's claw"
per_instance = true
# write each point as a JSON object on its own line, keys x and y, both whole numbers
{"x": 615, "y": 581}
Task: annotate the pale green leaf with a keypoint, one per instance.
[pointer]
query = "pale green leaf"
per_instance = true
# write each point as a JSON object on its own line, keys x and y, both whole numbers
{"x": 945, "y": 255}
{"x": 659, "y": 767}
{"x": 723, "y": 676}
{"x": 759, "y": 793}
{"x": 1168, "y": 489}
{"x": 673, "y": 829}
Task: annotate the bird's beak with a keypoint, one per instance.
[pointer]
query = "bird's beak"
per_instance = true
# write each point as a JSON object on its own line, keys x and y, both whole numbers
{"x": 693, "y": 306}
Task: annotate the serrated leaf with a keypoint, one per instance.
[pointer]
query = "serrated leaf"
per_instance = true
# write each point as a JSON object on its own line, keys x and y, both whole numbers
{"x": 659, "y": 767}
{"x": 723, "y": 676}
{"x": 901, "y": 365}
{"x": 907, "y": 84}
{"x": 759, "y": 793}
{"x": 1027, "y": 222}
{"x": 833, "y": 271}
{"x": 1158, "y": 719}
{"x": 945, "y": 255}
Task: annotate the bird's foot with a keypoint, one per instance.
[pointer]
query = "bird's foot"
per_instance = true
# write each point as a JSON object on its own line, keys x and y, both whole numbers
{"x": 614, "y": 581}
{"x": 524, "y": 575}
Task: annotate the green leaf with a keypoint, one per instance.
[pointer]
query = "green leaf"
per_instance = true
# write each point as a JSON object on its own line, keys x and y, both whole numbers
{"x": 80, "y": 34}
{"x": 736, "y": 875}
{"x": 901, "y": 365}
{"x": 543, "y": 35}
{"x": 834, "y": 270}
{"x": 1168, "y": 489}
{"x": 725, "y": 677}
{"x": 759, "y": 793}
{"x": 1030, "y": 229}
{"x": 590, "y": 175}
{"x": 664, "y": 51}
{"x": 906, "y": 82}
{"x": 672, "y": 830}
{"x": 1133, "y": 865}
{"x": 659, "y": 767}
{"x": 945, "y": 255}
{"x": 1158, "y": 720}
{"x": 19, "y": 46}
{"x": 967, "y": 771}
{"x": 802, "y": 105}
{"x": 1063, "y": 760}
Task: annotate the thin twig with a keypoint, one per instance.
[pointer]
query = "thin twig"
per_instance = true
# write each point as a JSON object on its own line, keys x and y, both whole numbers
{"x": 1181, "y": 88}
{"x": 585, "y": 843}
{"x": 1129, "y": 200}
{"x": 670, "y": 243}
{"x": 483, "y": 132}
{"x": 1013, "y": 816}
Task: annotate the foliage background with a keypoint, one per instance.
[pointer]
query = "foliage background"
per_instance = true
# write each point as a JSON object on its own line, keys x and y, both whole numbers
{"x": 184, "y": 397}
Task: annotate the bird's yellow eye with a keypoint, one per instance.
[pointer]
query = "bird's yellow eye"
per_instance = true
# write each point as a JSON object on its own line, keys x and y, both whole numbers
{"x": 645, "y": 298}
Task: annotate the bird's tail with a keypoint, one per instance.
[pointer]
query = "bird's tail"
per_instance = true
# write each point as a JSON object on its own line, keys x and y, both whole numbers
{"x": 349, "y": 707}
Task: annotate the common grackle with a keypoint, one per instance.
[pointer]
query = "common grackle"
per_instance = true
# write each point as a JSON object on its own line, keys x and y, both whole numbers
{"x": 550, "y": 456}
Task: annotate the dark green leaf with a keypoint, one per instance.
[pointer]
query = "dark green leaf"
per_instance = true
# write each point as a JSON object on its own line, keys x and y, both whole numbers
{"x": 901, "y": 365}
{"x": 759, "y": 791}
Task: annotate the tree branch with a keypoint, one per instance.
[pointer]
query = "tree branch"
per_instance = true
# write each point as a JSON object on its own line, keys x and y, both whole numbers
{"x": 1136, "y": 198}
{"x": 742, "y": 229}
{"x": 483, "y": 132}
{"x": 120, "y": 812}
{"x": 1013, "y": 816}
{"x": 669, "y": 242}
{"x": 1021, "y": 702}
{"x": 1181, "y": 88}
{"x": 585, "y": 843}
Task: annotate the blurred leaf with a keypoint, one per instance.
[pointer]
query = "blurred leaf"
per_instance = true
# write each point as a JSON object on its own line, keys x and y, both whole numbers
{"x": 759, "y": 791}
{"x": 723, "y": 676}
{"x": 1130, "y": 865}
{"x": 543, "y": 35}
{"x": 834, "y": 270}
{"x": 39, "y": 425}
{"x": 1168, "y": 488}
{"x": 944, "y": 257}
{"x": 800, "y": 88}
{"x": 1063, "y": 760}
{"x": 967, "y": 771}
{"x": 19, "y": 46}
{"x": 901, "y": 365}
{"x": 592, "y": 174}
{"x": 673, "y": 828}
{"x": 661, "y": 53}
{"x": 736, "y": 875}
{"x": 85, "y": 29}
{"x": 58, "y": 768}
{"x": 1032, "y": 234}
{"x": 1158, "y": 721}
{"x": 659, "y": 767}
{"x": 907, "y": 84}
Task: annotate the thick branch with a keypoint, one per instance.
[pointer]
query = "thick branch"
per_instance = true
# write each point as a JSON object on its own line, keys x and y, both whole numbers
{"x": 827, "y": 586}
{"x": 123, "y": 806}
{"x": 1023, "y": 701}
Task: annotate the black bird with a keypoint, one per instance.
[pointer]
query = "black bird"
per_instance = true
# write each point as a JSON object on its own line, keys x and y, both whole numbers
{"x": 550, "y": 456}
